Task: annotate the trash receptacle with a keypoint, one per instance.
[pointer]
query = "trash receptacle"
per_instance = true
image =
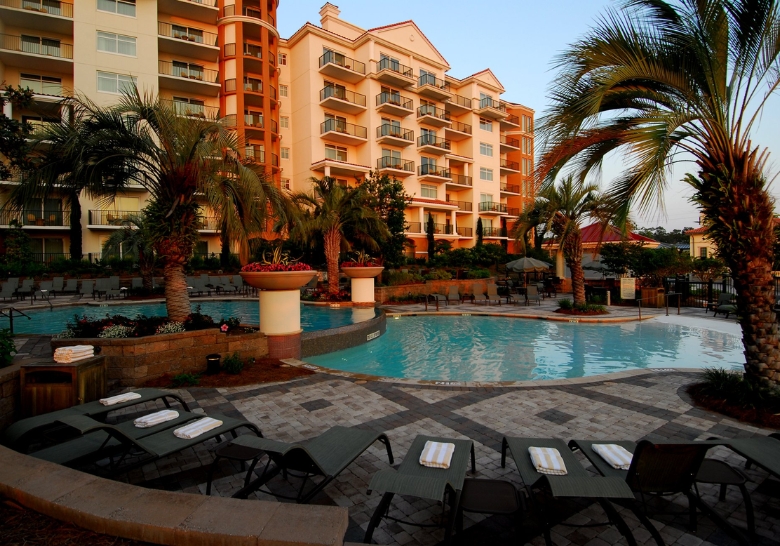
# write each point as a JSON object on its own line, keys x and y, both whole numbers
{"x": 212, "y": 364}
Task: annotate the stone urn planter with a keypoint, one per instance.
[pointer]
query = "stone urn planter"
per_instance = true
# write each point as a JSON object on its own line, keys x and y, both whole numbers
{"x": 277, "y": 280}
{"x": 362, "y": 281}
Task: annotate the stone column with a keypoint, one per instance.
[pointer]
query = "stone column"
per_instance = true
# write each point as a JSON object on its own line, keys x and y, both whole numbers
{"x": 280, "y": 321}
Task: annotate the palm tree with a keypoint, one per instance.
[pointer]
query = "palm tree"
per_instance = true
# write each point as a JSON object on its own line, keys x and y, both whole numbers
{"x": 134, "y": 240}
{"x": 563, "y": 208}
{"x": 341, "y": 216}
{"x": 689, "y": 78}
{"x": 180, "y": 161}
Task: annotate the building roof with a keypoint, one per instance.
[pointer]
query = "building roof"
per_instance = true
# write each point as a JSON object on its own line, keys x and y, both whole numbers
{"x": 593, "y": 234}
{"x": 705, "y": 229}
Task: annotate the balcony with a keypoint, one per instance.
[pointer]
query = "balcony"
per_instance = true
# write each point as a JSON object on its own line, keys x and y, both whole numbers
{"x": 509, "y": 167}
{"x": 458, "y": 105}
{"x": 394, "y": 73}
{"x": 511, "y": 189}
{"x": 510, "y": 122}
{"x": 254, "y": 121}
{"x": 459, "y": 182}
{"x": 338, "y": 98}
{"x": 513, "y": 211}
{"x": 274, "y": 129}
{"x": 336, "y": 65}
{"x": 36, "y": 218}
{"x": 275, "y": 162}
{"x": 414, "y": 227}
{"x": 395, "y": 166}
{"x": 49, "y": 14}
{"x": 192, "y": 110}
{"x": 35, "y": 52}
{"x": 463, "y": 206}
{"x": 435, "y": 117}
{"x": 430, "y": 144}
{"x": 345, "y": 133}
{"x": 509, "y": 144}
{"x": 335, "y": 167}
{"x": 188, "y": 78}
{"x": 466, "y": 232}
{"x": 203, "y": 11}
{"x": 490, "y": 109}
{"x": 187, "y": 42}
{"x": 208, "y": 224}
{"x": 252, "y": 13}
{"x": 38, "y": 127}
{"x": 458, "y": 131}
{"x": 494, "y": 233}
{"x": 433, "y": 87}
{"x": 111, "y": 219}
{"x": 255, "y": 154}
{"x": 394, "y": 105}
{"x": 431, "y": 173}
{"x": 394, "y": 135}
{"x": 490, "y": 207}
{"x": 443, "y": 229}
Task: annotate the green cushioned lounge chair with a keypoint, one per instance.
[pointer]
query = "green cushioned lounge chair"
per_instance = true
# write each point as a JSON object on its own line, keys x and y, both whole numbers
{"x": 763, "y": 451}
{"x": 326, "y": 455}
{"x": 577, "y": 483}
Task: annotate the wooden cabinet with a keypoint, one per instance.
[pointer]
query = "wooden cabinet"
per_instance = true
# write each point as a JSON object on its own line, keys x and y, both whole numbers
{"x": 48, "y": 386}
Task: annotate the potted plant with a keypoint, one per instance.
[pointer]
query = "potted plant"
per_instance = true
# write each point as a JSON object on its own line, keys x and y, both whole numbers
{"x": 362, "y": 267}
{"x": 279, "y": 272}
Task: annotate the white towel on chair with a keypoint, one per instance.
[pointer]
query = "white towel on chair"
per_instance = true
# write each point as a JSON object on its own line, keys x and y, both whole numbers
{"x": 196, "y": 428}
{"x": 617, "y": 456}
{"x": 156, "y": 418}
{"x": 71, "y": 359}
{"x": 547, "y": 460}
{"x": 119, "y": 398}
{"x": 437, "y": 454}
{"x": 74, "y": 349}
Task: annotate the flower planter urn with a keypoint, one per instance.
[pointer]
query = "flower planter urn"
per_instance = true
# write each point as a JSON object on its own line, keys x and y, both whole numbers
{"x": 362, "y": 280}
{"x": 277, "y": 280}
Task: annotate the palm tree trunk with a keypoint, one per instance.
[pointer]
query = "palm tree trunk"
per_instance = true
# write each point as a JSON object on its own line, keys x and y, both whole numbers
{"x": 177, "y": 300}
{"x": 146, "y": 266}
{"x": 572, "y": 252}
{"x": 76, "y": 245}
{"x": 332, "y": 248}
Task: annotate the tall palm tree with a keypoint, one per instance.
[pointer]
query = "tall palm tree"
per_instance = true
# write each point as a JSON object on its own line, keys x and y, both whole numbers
{"x": 342, "y": 217}
{"x": 180, "y": 161}
{"x": 670, "y": 80}
{"x": 134, "y": 240}
{"x": 563, "y": 209}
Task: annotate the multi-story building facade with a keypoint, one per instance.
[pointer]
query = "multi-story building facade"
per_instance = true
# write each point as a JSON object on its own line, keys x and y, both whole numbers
{"x": 207, "y": 57}
{"x": 355, "y": 101}
{"x": 332, "y": 100}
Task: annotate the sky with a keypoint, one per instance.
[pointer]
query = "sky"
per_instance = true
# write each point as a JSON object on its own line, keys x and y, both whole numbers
{"x": 519, "y": 41}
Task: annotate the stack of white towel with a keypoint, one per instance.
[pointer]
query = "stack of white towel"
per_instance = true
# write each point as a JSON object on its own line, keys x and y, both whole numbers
{"x": 547, "y": 460}
{"x": 120, "y": 398}
{"x": 617, "y": 456}
{"x": 437, "y": 454}
{"x": 156, "y": 418}
{"x": 196, "y": 428}
{"x": 68, "y": 355}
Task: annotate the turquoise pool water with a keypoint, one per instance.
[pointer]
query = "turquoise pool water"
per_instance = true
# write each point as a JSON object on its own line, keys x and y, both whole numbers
{"x": 53, "y": 322}
{"x": 505, "y": 349}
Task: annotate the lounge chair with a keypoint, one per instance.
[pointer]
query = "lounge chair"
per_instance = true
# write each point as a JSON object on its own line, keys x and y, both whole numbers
{"x": 114, "y": 282}
{"x": 102, "y": 286}
{"x": 453, "y": 295}
{"x": 326, "y": 455}
{"x": 659, "y": 469}
{"x": 226, "y": 286}
{"x": 577, "y": 483}
{"x": 44, "y": 290}
{"x": 26, "y": 288}
{"x": 724, "y": 298}
{"x": 14, "y": 281}
{"x": 8, "y": 290}
{"x": 492, "y": 293}
{"x": 725, "y": 309}
{"x": 478, "y": 294}
{"x": 58, "y": 285}
{"x": 87, "y": 289}
{"x": 532, "y": 294}
{"x": 238, "y": 282}
{"x": 136, "y": 285}
{"x": 540, "y": 289}
{"x": 71, "y": 286}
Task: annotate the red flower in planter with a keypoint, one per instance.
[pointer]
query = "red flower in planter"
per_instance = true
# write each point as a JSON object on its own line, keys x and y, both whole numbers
{"x": 371, "y": 263}
{"x": 257, "y": 267}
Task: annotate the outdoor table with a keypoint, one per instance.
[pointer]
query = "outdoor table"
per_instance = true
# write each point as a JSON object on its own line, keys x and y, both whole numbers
{"x": 416, "y": 480}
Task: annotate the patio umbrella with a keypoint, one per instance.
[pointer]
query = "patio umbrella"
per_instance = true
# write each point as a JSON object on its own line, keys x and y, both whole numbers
{"x": 525, "y": 265}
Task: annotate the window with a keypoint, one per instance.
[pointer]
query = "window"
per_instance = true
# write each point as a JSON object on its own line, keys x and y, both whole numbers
{"x": 108, "y": 42}
{"x": 386, "y": 61}
{"x": 108, "y": 82}
{"x": 335, "y": 123}
{"x": 187, "y": 33}
{"x": 255, "y": 152}
{"x": 41, "y": 84}
{"x": 253, "y": 119}
{"x": 486, "y": 149}
{"x": 485, "y": 124}
{"x": 120, "y": 7}
{"x": 427, "y": 136}
{"x": 335, "y": 152}
{"x": 202, "y": 248}
{"x": 253, "y": 84}
{"x": 427, "y": 165}
{"x": 485, "y": 174}
{"x": 703, "y": 252}
{"x": 284, "y": 121}
{"x": 428, "y": 191}
{"x": 187, "y": 70}
{"x": 528, "y": 124}
{"x": 527, "y": 166}
{"x": 282, "y": 59}
{"x": 528, "y": 147}
{"x": 282, "y": 90}
{"x": 285, "y": 153}
{"x": 485, "y": 100}
{"x": 40, "y": 46}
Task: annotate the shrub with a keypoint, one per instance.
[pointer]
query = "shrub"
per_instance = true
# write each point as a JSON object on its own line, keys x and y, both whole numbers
{"x": 67, "y": 333}
{"x": 438, "y": 275}
{"x": 566, "y": 304}
{"x": 230, "y": 324}
{"x": 478, "y": 274}
{"x": 185, "y": 380}
{"x": 732, "y": 387}
{"x": 7, "y": 347}
{"x": 233, "y": 363}
{"x": 590, "y": 308}
{"x": 395, "y": 278}
{"x": 172, "y": 327}
{"x": 198, "y": 321}
{"x": 116, "y": 331}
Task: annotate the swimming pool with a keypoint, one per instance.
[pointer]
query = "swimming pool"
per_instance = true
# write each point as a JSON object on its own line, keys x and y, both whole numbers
{"x": 508, "y": 349}
{"x": 53, "y": 322}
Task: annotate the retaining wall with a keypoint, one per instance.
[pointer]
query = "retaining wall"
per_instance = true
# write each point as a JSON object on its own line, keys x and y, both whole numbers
{"x": 335, "y": 339}
{"x": 383, "y": 294}
{"x": 9, "y": 394}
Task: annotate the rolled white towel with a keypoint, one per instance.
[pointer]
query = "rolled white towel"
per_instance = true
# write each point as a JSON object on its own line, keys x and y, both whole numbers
{"x": 195, "y": 429}
{"x": 119, "y": 398}
{"x": 617, "y": 456}
{"x": 70, "y": 360}
{"x": 74, "y": 349}
{"x": 547, "y": 460}
{"x": 437, "y": 454}
{"x": 73, "y": 354}
{"x": 156, "y": 418}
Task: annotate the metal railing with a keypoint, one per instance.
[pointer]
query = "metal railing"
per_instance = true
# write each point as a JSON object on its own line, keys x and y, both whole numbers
{"x": 254, "y": 120}
{"x": 253, "y": 85}
{"x": 273, "y": 93}
{"x": 342, "y": 94}
{"x": 229, "y": 11}
{"x": 431, "y": 140}
{"x": 209, "y": 3}
{"x": 429, "y": 110}
{"x": 230, "y": 120}
{"x": 514, "y": 120}
{"x": 394, "y": 99}
{"x": 509, "y": 141}
{"x": 186, "y": 34}
{"x": 45, "y": 46}
{"x": 461, "y": 127}
{"x": 111, "y": 217}
{"x": 208, "y": 223}
{"x": 331, "y": 57}
{"x": 493, "y": 232}
{"x": 465, "y": 231}
{"x": 462, "y": 205}
{"x": 274, "y": 160}
{"x": 432, "y": 170}
{"x": 414, "y": 227}
{"x": 35, "y": 217}
{"x": 430, "y": 79}
{"x": 510, "y": 188}
{"x": 47, "y": 7}
{"x": 254, "y": 154}
{"x": 192, "y": 110}
{"x": 38, "y": 126}
{"x": 343, "y": 127}
{"x": 487, "y": 102}
{"x": 461, "y": 179}
{"x": 461, "y": 101}
{"x": 514, "y": 165}
{"x": 274, "y": 126}
{"x": 230, "y": 85}
{"x": 387, "y": 162}
{"x": 394, "y": 66}
{"x": 254, "y": 51}
{"x": 490, "y": 206}
{"x": 192, "y": 72}
{"x": 229, "y": 50}
{"x": 387, "y": 129}
{"x": 49, "y": 257}
{"x": 513, "y": 211}
{"x": 441, "y": 229}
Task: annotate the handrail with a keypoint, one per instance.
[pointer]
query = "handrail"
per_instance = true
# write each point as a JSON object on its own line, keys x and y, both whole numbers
{"x": 229, "y": 11}
{"x": 431, "y": 170}
{"x": 386, "y": 129}
{"x": 10, "y": 316}
{"x": 343, "y": 127}
{"x": 414, "y": 227}
{"x": 394, "y": 99}
{"x": 430, "y": 110}
{"x": 394, "y": 66}
{"x": 57, "y": 49}
{"x": 111, "y": 217}
{"x": 192, "y": 72}
{"x": 430, "y": 140}
{"x": 36, "y": 217}
{"x": 387, "y": 162}
{"x": 61, "y": 8}
{"x": 194, "y": 35}
{"x": 510, "y": 188}
{"x": 342, "y": 94}
{"x": 514, "y": 165}
{"x": 487, "y": 102}
{"x": 461, "y": 127}
{"x": 514, "y": 120}
{"x": 493, "y": 232}
{"x": 462, "y": 205}
{"x": 430, "y": 79}
{"x": 331, "y": 57}
{"x": 461, "y": 179}
{"x": 491, "y": 206}
{"x": 509, "y": 141}
{"x": 465, "y": 231}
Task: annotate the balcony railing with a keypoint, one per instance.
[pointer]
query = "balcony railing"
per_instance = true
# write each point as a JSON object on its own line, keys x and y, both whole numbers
{"x": 461, "y": 127}
{"x": 38, "y": 127}
{"x": 342, "y": 94}
{"x": 461, "y": 101}
{"x": 490, "y": 206}
{"x": 36, "y": 217}
{"x": 111, "y": 217}
{"x": 461, "y": 179}
{"x": 193, "y": 110}
{"x": 432, "y": 170}
{"x": 394, "y": 131}
{"x": 343, "y": 127}
{"x": 428, "y": 110}
{"x": 273, "y": 92}
{"x": 230, "y": 85}
{"x": 190, "y": 72}
{"x": 229, "y": 50}
{"x": 414, "y": 227}
{"x": 487, "y": 102}
{"x": 510, "y": 188}
{"x": 208, "y": 223}
{"x": 274, "y": 126}
{"x": 466, "y": 231}
{"x": 514, "y": 120}
{"x": 48, "y": 7}
{"x": 506, "y": 164}
{"x": 229, "y": 120}
{"x": 441, "y": 229}
{"x": 493, "y": 232}
{"x": 253, "y": 85}
{"x": 395, "y": 163}
{"x": 431, "y": 140}
{"x": 45, "y": 46}
{"x": 186, "y": 34}
{"x": 274, "y": 160}
{"x": 331, "y": 57}
{"x": 509, "y": 141}
{"x": 513, "y": 211}
{"x": 229, "y": 11}
{"x": 430, "y": 79}
{"x": 394, "y": 66}
{"x": 252, "y": 50}
{"x": 462, "y": 205}
{"x": 255, "y": 154}
{"x": 395, "y": 99}
{"x": 254, "y": 120}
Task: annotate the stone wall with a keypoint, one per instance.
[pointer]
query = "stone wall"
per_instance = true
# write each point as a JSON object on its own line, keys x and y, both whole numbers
{"x": 130, "y": 362}
{"x": 9, "y": 395}
{"x": 383, "y": 294}
{"x": 335, "y": 339}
